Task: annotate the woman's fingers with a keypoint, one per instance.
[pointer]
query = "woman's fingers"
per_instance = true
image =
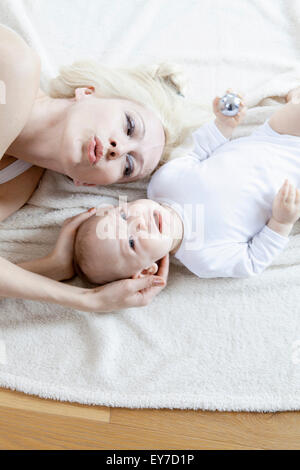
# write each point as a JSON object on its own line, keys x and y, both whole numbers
{"x": 73, "y": 222}
{"x": 137, "y": 285}
{"x": 144, "y": 289}
{"x": 163, "y": 269}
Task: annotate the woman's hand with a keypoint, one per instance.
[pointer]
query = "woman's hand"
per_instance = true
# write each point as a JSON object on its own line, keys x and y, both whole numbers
{"x": 227, "y": 124}
{"x": 286, "y": 209}
{"x": 126, "y": 293}
{"x": 61, "y": 258}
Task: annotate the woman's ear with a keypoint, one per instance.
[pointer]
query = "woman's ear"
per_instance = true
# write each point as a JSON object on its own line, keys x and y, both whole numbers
{"x": 83, "y": 91}
{"x": 146, "y": 272}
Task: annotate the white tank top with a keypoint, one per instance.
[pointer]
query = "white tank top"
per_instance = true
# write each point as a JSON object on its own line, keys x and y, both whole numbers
{"x": 13, "y": 170}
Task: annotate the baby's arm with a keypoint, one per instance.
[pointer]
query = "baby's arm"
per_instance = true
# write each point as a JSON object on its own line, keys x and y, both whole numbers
{"x": 247, "y": 259}
{"x": 215, "y": 133}
{"x": 238, "y": 259}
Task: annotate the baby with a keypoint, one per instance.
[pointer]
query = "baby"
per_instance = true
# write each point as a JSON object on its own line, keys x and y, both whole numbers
{"x": 222, "y": 210}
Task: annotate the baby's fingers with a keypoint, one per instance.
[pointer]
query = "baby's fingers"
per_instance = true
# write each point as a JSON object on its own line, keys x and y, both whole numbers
{"x": 291, "y": 194}
{"x": 284, "y": 190}
{"x": 216, "y": 104}
{"x": 230, "y": 90}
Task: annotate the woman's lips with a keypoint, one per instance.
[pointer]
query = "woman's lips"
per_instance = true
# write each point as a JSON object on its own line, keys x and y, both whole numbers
{"x": 95, "y": 150}
{"x": 99, "y": 149}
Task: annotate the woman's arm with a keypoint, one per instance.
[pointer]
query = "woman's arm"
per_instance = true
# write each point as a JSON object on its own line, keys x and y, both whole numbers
{"x": 121, "y": 294}
{"x": 20, "y": 76}
{"x": 16, "y": 282}
{"x": 45, "y": 266}
{"x": 16, "y": 192}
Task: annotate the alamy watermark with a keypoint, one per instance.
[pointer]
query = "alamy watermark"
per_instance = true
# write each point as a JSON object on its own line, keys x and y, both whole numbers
{"x": 2, "y": 92}
{"x": 148, "y": 219}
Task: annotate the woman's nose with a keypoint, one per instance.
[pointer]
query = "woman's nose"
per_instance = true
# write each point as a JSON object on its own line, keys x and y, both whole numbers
{"x": 114, "y": 150}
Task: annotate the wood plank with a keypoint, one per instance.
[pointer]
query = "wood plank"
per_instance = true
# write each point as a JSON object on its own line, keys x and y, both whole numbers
{"x": 29, "y": 422}
{"x": 249, "y": 430}
{"x": 21, "y": 401}
{"x": 26, "y": 430}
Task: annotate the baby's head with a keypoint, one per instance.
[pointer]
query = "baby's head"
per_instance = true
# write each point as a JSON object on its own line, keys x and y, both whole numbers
{"x": 124, "y": 241}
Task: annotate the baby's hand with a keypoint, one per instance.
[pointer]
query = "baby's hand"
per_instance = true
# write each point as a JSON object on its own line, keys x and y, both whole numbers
{"x": 227, "y": 124}
{"x": 286, "y": 209}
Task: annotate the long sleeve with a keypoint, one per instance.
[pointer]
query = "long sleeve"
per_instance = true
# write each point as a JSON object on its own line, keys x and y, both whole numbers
{"x": 207, "y": 139}
{"x": 235, "y": 259}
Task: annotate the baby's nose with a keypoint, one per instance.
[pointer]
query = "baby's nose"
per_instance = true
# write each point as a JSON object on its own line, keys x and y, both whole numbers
{"x": 140, "y": 223}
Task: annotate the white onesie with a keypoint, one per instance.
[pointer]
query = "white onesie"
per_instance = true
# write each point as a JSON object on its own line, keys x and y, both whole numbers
{"x": 229, "y": 186}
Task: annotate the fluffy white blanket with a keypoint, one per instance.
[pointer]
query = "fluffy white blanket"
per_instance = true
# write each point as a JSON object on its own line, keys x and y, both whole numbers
{"x": 213, "y": 344}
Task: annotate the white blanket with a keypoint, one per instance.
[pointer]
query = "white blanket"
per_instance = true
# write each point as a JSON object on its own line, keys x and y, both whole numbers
{"x": 222, "y": 344}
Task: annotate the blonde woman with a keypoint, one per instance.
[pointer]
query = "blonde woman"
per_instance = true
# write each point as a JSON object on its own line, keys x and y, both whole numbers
{"x": 97, "y": 126}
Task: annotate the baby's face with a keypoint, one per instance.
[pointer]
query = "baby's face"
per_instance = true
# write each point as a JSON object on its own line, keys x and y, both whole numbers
{"x": 125, "y": 241}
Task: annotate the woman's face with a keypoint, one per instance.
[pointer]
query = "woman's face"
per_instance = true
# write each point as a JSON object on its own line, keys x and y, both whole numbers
{"x": 108, "y": 141}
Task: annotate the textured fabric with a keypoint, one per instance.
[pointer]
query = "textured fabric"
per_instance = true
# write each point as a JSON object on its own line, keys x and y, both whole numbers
{"x": 13, "y": 170}
{"x": 225, "y": 344}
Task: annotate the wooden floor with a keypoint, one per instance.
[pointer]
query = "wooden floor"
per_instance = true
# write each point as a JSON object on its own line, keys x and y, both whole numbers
{"x": 28, "y": 422}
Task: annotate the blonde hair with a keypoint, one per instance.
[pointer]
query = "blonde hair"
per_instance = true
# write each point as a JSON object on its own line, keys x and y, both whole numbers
{"x": 157, "y": 87}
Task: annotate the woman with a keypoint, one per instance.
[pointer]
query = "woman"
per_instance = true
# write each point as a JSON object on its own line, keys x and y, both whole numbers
{"x": 98, "y": 126}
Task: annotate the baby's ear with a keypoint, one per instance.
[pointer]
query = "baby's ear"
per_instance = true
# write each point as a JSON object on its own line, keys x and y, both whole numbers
{"x": 151, "y": 270}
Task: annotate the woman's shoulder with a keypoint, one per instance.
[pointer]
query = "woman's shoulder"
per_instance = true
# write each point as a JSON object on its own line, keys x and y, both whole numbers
{"x": 19, "y": 85}
{"x": 15, "y": 52}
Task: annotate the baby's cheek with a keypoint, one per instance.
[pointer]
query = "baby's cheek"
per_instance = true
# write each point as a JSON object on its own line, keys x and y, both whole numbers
{"x": 158, "y": 249}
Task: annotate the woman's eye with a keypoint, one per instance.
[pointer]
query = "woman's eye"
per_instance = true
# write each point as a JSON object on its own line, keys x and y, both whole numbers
{"x": 129, "y": 166}
{"x": 130, "y": 125}
{"x": 131, "y": 243}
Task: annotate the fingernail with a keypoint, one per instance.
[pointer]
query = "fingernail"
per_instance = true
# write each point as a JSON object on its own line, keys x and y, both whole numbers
{"x": 158, "y": 282}
{"x": 92, "y": 209}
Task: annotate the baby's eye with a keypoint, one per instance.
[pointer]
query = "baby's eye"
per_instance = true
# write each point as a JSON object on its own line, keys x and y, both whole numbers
{"x": 130, "y": 125}
{"x": 131, "y": 243}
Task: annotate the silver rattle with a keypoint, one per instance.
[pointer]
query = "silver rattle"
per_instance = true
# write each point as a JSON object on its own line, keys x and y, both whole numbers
{"x": 229, "y": 104}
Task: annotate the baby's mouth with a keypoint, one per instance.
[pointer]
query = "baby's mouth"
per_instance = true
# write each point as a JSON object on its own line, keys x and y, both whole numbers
{"x": 158, "y": 220}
